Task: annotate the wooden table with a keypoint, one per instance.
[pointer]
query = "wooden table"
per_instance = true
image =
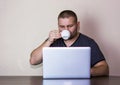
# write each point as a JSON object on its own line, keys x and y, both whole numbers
{"x": 38, "y": 80}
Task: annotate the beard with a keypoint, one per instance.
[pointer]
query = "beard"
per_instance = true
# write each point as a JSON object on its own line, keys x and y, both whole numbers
{"x": 73, "y": 35}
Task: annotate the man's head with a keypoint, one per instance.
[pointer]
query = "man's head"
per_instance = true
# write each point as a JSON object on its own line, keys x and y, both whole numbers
{"x": 67, "y": 20}
{"x": 67, "y": 14}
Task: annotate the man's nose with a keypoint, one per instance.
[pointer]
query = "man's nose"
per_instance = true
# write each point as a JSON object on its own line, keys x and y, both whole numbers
{"x": 66, "y": 28}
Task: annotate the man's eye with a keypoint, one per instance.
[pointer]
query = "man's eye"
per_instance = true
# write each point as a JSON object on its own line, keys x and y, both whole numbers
{"x": 70, "y": 25}
{"x": 61, "y": 26}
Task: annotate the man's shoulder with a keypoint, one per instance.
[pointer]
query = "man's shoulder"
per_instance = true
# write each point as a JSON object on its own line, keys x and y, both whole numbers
{"x": 86, "y": 40}
{"x": 85, "y": 37}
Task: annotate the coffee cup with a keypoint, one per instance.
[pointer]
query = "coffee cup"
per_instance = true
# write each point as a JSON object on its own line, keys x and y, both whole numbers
{"x": 65, "y": 34}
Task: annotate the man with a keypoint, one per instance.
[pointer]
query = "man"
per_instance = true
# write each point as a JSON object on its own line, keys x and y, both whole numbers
{"x": 67, "y": 20}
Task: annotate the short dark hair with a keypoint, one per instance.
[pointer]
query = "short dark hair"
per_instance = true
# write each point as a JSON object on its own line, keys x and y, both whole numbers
{"x": 67, "y": 14}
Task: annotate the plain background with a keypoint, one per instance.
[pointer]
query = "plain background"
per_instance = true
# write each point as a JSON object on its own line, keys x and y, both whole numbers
{"x": 25, "y": 24}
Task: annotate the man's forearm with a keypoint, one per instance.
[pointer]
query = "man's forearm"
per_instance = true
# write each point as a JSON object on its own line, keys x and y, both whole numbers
{"x": 100, "y": 71}
{"x": 36, "y": 55}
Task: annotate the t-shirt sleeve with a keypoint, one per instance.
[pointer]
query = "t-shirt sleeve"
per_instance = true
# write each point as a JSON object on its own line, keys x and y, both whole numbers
{"x": 96, "y": 54}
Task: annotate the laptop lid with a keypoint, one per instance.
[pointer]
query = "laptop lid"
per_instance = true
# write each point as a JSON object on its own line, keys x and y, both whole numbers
{"x": 66, "y": 62}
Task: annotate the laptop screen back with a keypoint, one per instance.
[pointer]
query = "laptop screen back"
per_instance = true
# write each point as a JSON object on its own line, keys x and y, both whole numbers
{"x": 66, "y": 62}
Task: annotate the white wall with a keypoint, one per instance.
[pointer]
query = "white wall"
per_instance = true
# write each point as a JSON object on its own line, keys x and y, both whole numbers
{"x": 24, "y": 25}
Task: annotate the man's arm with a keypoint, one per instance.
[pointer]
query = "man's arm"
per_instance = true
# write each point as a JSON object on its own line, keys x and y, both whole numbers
{"x": 100, "y": 69}
{"x": 36, "y": 55}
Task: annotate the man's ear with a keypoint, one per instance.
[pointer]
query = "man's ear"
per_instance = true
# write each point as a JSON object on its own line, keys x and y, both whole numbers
{"x": 78, "y": 26}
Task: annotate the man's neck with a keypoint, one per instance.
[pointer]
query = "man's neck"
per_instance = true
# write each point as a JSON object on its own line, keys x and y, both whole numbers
{"x": 71, "y": 41}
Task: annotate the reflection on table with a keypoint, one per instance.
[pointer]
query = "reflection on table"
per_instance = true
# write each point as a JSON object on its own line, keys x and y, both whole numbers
{"x": 66, "y": 82}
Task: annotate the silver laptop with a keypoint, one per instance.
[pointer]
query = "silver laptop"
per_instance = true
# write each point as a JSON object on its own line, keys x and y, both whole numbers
{"x": 66, "y": 62}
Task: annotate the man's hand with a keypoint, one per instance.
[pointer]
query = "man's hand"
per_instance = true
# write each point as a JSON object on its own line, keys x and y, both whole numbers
{"x": 53, "y": 35}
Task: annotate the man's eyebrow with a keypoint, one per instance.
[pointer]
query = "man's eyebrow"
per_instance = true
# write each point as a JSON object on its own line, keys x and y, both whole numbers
{"x": 60, "y": 25}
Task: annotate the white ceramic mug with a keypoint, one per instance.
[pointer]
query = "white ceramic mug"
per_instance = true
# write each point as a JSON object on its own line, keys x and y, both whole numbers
{"x": 65, "y": 34}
